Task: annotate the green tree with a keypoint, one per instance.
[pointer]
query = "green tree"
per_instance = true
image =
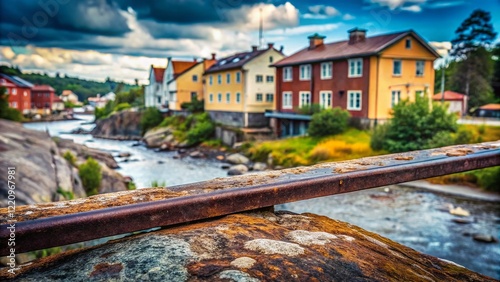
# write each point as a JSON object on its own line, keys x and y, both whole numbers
{"x": 91, "y": 176}
{"x": 414, "y": 126}
{"x": 328, "y": 122}
{"x": 7, "y": 112}
{"x": 470, "y": 47}
{"x": 151, "y": 117}
{"x": 495, "y": 81}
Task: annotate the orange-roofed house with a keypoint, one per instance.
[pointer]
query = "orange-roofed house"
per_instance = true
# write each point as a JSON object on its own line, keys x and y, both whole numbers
{"x": 489, "y": 110}
{"x": 155, "y": 92}
{"x": 184, "y": 81}
{"x": 457, "y": 102}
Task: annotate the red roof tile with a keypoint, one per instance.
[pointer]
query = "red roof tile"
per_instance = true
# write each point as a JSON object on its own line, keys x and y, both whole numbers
{"x": 495, "y": 107}
{"x": 158, "y": 72}
{"x": 43, "y": 88}
{"x": 182, "y": 66}
{"x": 342, "y": 49}
{"x": 449, "y": 95}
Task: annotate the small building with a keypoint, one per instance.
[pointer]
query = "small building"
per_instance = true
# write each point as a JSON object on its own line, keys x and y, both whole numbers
{"x": 488, "y": 111}
{"x": 185, "y": 81}
{"x": 366, "y": 76}
{"x": 19, "y": 91}
{"x": 457, "y": 102}
{"x": 98, "y": 101}
{"x": 42, "y": 99}
{"x": 69, "y": 96}
{"x": 241, "y": 87}
{"x": 57, "y": 104}
{"x": 155, "y": 94}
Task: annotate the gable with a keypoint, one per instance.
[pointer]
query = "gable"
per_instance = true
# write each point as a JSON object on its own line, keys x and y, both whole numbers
{"x": 418, "y": 49}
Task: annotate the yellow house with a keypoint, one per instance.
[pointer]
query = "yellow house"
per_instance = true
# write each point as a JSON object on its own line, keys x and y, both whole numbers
{"x": 241, "y": 87}
{"x": 184, "y": 80}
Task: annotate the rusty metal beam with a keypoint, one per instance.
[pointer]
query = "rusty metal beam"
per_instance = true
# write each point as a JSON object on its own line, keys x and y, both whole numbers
{"x": 215, "y": 198}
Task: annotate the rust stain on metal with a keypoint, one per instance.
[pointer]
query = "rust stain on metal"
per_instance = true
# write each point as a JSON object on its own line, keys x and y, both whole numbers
{"x": 458, "y": 152}
{"x": 87, "y": 219}
{"x": 403, "y": 158}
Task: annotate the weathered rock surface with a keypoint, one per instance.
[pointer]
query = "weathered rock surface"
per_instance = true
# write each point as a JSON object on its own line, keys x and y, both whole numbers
{"x": 156, "y": 137}
{"x": 259, "y": 246}
{"x": 237, "y": 159}
{"x": 124, "y": 125}
{"x": 259, "y": 166}
{"x": 237, "y": 169}
{"x": 40, "y": 168}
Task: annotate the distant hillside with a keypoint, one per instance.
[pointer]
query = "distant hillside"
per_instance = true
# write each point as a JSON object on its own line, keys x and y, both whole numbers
{"x": 83, "y": 88}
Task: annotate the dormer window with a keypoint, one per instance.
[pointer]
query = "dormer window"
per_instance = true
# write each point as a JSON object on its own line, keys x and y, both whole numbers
{"x": 408, "y": 43}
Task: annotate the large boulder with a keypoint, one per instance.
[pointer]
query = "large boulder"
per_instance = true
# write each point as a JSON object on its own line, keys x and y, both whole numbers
{"x": 259, "y": 246}
{"x": 237, "y": 169}
{"x": 124, "y": 125}
{"x": 237, "y": 159}
{"x": 156, "y": 137}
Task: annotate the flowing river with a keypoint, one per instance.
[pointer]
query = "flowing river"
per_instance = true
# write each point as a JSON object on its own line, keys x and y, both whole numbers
{"x": 415, "y": 218}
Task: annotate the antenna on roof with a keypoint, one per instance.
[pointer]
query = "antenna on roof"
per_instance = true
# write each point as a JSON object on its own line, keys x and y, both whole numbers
{"x": 260, "y": 28}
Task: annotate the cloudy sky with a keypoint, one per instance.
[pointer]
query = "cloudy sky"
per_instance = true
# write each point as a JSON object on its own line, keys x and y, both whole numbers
{"x": 94, "y": 39}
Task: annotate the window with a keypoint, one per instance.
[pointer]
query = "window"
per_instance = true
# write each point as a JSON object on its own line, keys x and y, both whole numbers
{"x": 305, "y": 72}
{"x": 269, "y": 78}
{"x": 325, "y": 99}
{"x": 228, "y": 78}
{"x": 8, "y": 90}
{"x": 395, "y": 97}
{"x": 258, "y": 98}
{"x": 259, "y": 78}
{"x": 238, "y": 77}
{"x": 219, "y": 97}
{"x": 228, "y": 98}
{"x": 355, "y": 68}
{"x": 269, "y": 97}
{"x": 420, "y": 68}
{"x": 195, "y": 78}
{"x": 305, "y": 99}
{"x": 14, "y": 104}
{"x": 14, "y": 91}
{"x": 194, "y": 96}
{"x": 419, "y": 93}
{"x": 211, "y": 80}
{"x": 219, "y": 78}
{"x": 238, "y": 97}
{"x": 287, "y": 74}
{"x": 47, "y": 95}
{"x": 326, "y": 70}
{"x": 354, "y": 100}
{"x": 408, "y": 43}
{"x": 287, "y": 100}
{"x": 396, "y": 67}
{"x": 211, "y": 98}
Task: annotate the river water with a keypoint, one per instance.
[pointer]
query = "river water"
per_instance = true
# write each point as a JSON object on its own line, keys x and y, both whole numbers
{"x": 412, "y": 217}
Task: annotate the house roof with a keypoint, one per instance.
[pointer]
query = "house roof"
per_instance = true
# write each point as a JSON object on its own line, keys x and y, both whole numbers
{"x": 19, "y": 82}
{"x": 43, "y": 88}
{"x": 57, "y": 99}
{"x": 182, "y": 66}
{"x": 342, "y": 49}
{"x": 208, "y": 63}
{"x": 6, "y": 83}
{"x": 158, "y": 72}
{"x": 234, "y": 61}
{"x": 67, "y": 93}
{"x": 495, "y": 107}
{"x": 449, "y": 95}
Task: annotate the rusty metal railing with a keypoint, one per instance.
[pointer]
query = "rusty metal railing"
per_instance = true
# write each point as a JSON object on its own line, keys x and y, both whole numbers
{"x": 223, "y": 196}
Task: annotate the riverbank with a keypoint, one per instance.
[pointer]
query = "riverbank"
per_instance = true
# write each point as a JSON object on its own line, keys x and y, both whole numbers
{"x": 462, "y": 191}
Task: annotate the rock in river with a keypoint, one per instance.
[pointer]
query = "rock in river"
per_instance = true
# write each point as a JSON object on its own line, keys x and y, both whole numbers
{"x": 237, "y": 159}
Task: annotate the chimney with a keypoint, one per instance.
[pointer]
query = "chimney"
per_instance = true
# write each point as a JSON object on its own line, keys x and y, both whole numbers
{"x": 194, "y": 59}
{"x": 315, "y": 40}
{"x": 254, "y": 48}
{"x": 213, "y": 56}
{"x": 356, "y": 35}
{"x": 282, "y": 48}
{"x": 270, "y": 45}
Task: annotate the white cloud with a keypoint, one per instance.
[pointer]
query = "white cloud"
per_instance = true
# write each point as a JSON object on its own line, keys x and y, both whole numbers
{"x": 321, "y": 12}
{"x": 441, "y": 47}
{"x": 412, "y": 8}
{"x": 348, "y": 17}
{"x": 304, "y": 29}
{"x": 248, "y": 17}
{"x": 395, "y": 4}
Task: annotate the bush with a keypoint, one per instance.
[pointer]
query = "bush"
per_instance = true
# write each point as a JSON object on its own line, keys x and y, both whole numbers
{"x": 328, "y": 122}
{"x": 201, "y": 128}
{"x": 414, "y": 126}
{"x": 151, "y": 117}
{"x": 377, "y": 141}
{"x": 5, "y": 111}
{"x": 70, "y": 158}
{"x": 195, "y": 106}
{"x": 310, "y": 109}
{"x": 90, "y": 174}
{"x": 336, "y": 150}
{"x": 104, "y": 112}
{"x": 488, "y": 178}
{"x": 121, "y": 107}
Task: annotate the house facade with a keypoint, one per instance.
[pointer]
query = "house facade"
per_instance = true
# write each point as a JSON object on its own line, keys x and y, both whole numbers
{"x": 184, "y": 82}
{"x": 19, "y": 91}
{"x": 240, "y": 88}
{"x": 155, "y": 94}
{"x": 457, "y": 103}
{"x": 69, "y": 96}
{"x": 42, "y": 99}
{"x": 365, "y": 75}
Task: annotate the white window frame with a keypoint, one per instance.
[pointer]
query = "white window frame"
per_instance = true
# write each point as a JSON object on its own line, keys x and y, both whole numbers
{"x": 394, "y": 67}
{"x": 422, "y": 64}
{"x": 238, "y": 97}
{"x": 329, "y": 67}
{"x": 238, "y": 77}
{"x": 304, "y": 93}
{"x": 14, "y": 91}
{"x": 271, "y": 80}
{"x": 228, "y": 97}
{"x": 14, "y": 104}
{"x": 353, "y": 67}
{"x": 395, "y": 97}
{"x": 195, "y": 78}
{"x": 287, "y": 74}
{"x": 305, "y": 72}
{"x": 322, "y": 101}
{"x": 349, "y": 98}
{"x": 287, "y": 103}
{"x": 257, "y": 76}
{"x": 228, "y": 78}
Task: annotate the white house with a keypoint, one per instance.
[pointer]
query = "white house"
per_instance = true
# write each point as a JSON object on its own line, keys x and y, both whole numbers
{"x": 155, "y": 94}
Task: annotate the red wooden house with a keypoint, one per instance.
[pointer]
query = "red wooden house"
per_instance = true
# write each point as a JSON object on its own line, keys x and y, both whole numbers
{"x": 19, "y": 92}
{"x": 42, "y": 98}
